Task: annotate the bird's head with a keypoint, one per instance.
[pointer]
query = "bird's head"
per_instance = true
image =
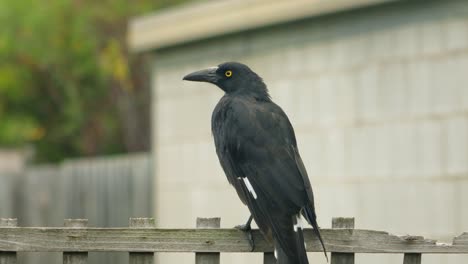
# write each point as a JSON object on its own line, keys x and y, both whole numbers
{"x": 232, "y": 77}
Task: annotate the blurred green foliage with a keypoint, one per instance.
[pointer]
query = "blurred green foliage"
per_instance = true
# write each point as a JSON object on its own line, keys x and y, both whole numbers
{"x": 68, "y": 85}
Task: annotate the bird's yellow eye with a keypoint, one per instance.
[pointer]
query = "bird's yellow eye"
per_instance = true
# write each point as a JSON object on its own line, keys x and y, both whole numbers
{"x": 228, "y": 73}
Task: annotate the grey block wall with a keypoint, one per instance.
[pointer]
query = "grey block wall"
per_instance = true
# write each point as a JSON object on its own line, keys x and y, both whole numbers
{"x": 379, "y": 101}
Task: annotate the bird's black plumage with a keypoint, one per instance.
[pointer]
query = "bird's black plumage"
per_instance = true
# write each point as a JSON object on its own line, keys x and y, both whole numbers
{"x": 256, "y": 146}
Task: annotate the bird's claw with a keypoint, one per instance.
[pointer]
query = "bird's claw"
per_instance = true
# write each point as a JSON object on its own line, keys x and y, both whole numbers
{"x": 248, "y": 230}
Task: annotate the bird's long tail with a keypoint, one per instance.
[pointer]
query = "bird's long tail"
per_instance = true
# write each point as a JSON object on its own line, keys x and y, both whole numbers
{"x": 309, "y": 215}
{"x": 289, "y": 241}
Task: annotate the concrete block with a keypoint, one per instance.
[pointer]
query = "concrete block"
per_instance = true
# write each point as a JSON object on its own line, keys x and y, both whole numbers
{"x": 463, "y": 204}
{"x": 306, "y": 102}
{"x": 335, "y": 200}
{"x": 401, "y": 207}
{"x": 183, "y": 123}
{"x": 384, "y": 151}
{"x": 263, "y": 63}
{"x": 441, "y": 197}
{"x": 374, "y": 206}
{"x": 210, "y": 172}
{"x": 357, "y": 50}
{"x": 432, "y": 37}
{"x": 336, "y": 99}
{"x": 392, "y": 91}
{"x": 367, "y": 93}
{"x": 406, "y": 41}
{"x": 192, "y": 118}
{"x": 312, "y": 149}
{"x": 186, "y": 118}
{"x": 179, "y": 258}
{"x": 179, "y": 87}
{"x": 456, "y": 32}
{"x": 345, "y": 102}
{"x": 357, "y": 156}
{"x": 282, "y": 92}
{"x": 456, "y": 155}
{"x": 370, "y": 151}
{"x": 327, "y": 95}
{"x": 168, "y": 173}
{"x": 336, "y": 154}
{"x": 317, "y": 56}
{"x": 294, "y": 62}
{"x": 462, "y": 78}
{"x": 445, "y": 97}
{"x": 206, "y": 202}
{"x": 446, "y": 258}
{"x": 456, "y": 75}
{"x": 164, "y": 116}
{"x": 419, "y": 84}
{"x": 430, "y": 148}
{"x": 339, "y": 56}
{"x": 234, "y": 258}
{"x": 174, "y": 209}
{"x": 382, "y": 48}
{"x": 275, "y": 55}
{"x": 189, "y": 162}
{"x": 404, "y": 151}
{"x": 316, "y": 257}
{"x": 379, "y": 258}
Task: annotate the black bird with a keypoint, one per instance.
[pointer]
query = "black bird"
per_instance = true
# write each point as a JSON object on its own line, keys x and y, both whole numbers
{"x": 256, "y": 146}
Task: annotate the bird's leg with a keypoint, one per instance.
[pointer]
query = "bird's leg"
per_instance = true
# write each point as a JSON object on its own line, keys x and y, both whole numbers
{"x": 248, "y": 229}
{"x": 246, "y": 226}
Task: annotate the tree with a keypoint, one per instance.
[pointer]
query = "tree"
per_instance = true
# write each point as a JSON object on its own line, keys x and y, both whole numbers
{"x": 68, "y": 85}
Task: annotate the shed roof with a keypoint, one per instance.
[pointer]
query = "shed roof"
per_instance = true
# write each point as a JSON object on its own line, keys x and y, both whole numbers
{"x": 201, "y": 20}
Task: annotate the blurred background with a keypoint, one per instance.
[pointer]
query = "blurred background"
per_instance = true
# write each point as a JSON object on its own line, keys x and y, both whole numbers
{"x": 96, "y": 123}
{"x": 74, "y": 116}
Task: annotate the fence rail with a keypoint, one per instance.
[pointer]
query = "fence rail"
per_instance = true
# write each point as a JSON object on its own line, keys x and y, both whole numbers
{"x": 141, "y": 239}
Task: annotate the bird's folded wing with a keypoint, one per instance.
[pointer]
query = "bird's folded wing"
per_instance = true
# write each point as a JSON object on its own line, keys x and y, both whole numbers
{"x": 266, "y": 153}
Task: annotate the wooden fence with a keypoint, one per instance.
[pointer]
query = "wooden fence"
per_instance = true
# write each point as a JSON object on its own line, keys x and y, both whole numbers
{"x": 105, "y": 190}
{"x": 141, "y": 239}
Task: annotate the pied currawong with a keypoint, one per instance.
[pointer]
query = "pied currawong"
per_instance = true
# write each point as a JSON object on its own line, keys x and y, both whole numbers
{"x": 256, "y": 146}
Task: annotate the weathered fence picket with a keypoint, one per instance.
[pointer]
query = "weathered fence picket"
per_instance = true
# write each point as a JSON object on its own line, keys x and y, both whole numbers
{"x": 8, "y": 257}
{"x": 141, "y": 239}
{"x": 208, "y": 257}
{"x": 412, "y": 258}
{"x": 75, "y": 257}
{"x": 339, "y": 257}
{"x": 269, "y": 258}
{"x": 142, "y": 257}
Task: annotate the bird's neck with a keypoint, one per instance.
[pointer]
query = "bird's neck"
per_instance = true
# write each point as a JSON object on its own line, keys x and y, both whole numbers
{"x": 259, "y": 92}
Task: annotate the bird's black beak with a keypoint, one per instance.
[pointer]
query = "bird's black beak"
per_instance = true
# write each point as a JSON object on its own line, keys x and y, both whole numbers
{"x": 208, "y": 75}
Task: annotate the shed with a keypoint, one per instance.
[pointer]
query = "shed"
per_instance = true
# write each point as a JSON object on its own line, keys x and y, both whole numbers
{"x": 376, "y": 90}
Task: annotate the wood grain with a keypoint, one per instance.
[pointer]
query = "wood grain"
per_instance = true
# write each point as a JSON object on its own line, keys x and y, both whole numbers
{"x": 208, "y": 257}
{"x": 36, "y": 239}
{"x": 141, "y": 257}
{"x": 339, "y": 257}
{"x": 8, "y": 257}
{"x": 461, "y": 239}
{"x": 75, "y": 257}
